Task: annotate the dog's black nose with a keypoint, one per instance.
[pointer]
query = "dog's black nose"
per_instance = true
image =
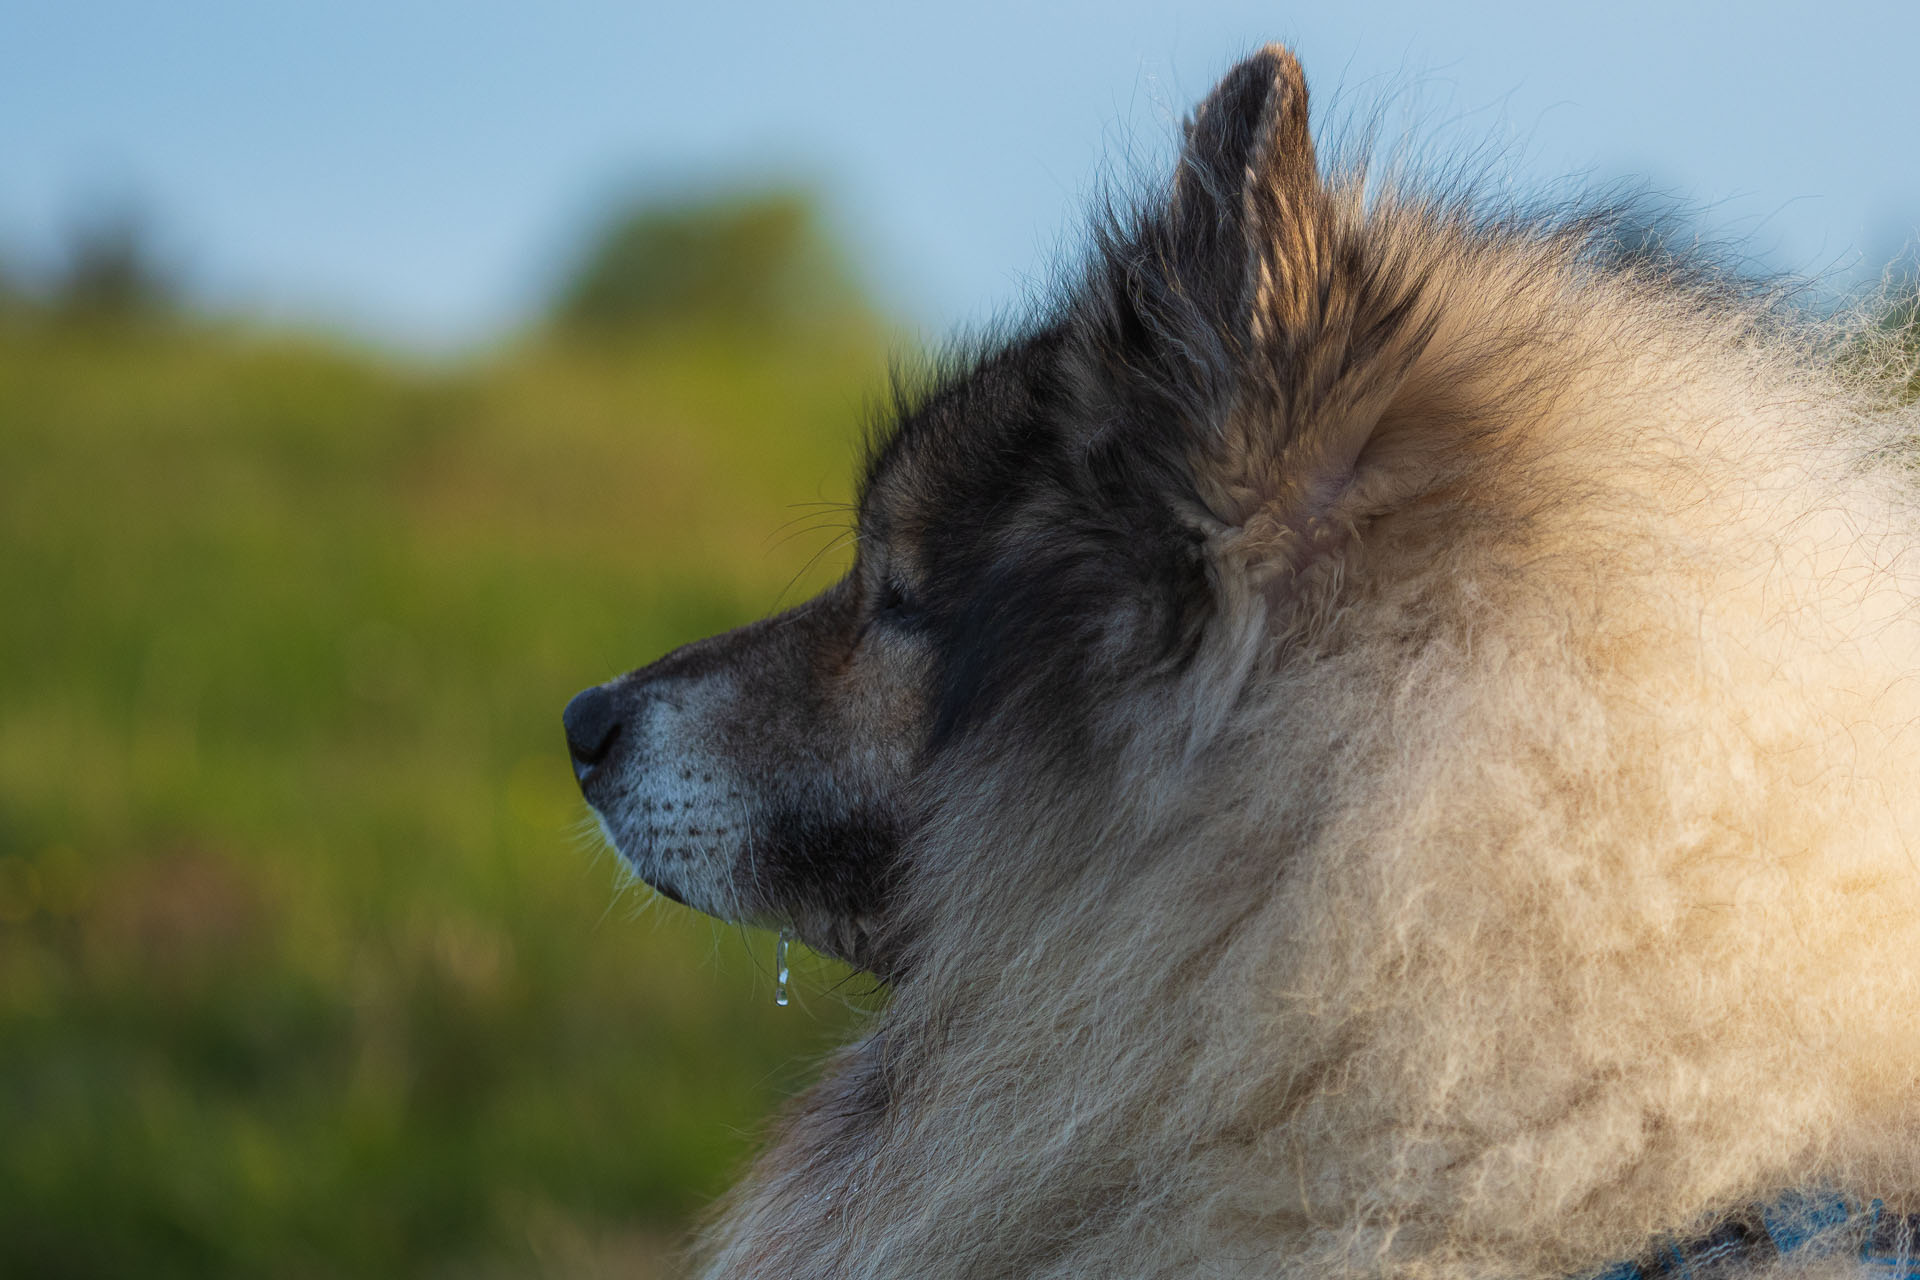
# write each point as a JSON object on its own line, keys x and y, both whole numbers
{"x": 593, "y": 722}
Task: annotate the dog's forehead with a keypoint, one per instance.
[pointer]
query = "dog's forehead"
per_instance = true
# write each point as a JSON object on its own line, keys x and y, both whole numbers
{"x": 964, "y": 443}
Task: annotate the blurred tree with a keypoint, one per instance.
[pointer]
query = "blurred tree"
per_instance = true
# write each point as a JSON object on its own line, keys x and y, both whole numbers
{"x": 761, "y": 262}
{"x": 112, "y": 269}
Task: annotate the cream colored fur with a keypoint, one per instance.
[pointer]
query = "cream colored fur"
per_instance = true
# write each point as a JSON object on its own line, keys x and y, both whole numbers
{"x": 1532, "y": 871}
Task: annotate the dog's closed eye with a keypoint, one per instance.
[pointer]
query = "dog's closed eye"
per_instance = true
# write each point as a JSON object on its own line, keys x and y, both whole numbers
{"x": 894, "y": 603}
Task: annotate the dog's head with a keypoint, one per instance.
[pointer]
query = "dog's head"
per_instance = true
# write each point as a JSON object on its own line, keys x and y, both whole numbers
{"x": 1050, "y": 539}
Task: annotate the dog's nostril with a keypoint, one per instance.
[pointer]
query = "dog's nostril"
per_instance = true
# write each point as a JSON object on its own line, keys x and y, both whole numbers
{"x": 592, "y": 721}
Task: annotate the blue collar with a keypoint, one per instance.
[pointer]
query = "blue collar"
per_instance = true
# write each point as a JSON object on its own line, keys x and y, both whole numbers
{"x": 1803, "y": 1223}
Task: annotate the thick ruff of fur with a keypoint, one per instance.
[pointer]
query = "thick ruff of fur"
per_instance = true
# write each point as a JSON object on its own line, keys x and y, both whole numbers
{"x": 1523, "y": 868}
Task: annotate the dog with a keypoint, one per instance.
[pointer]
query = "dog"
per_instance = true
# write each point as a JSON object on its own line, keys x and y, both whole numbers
{"x": 1373, "y": 737}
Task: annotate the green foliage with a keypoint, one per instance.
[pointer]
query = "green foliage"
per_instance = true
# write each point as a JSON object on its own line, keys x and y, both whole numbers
{"x": 758, "y": 266}
{"x": 310, "y": 963}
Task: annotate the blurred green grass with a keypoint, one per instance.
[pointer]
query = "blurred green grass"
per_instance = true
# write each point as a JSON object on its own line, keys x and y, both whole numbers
{"x": 309, "y": 962}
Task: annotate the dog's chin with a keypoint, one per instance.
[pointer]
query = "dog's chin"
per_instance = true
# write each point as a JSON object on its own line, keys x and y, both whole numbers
{"x": 707, "y": 879}
{"x": 695, "y": 878}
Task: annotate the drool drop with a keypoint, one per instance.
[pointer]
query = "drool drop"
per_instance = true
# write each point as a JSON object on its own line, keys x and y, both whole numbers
{"x": 780, "y": 967}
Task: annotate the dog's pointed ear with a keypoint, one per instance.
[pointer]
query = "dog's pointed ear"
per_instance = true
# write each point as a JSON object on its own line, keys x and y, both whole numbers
{"x": 1247, "y": 188}
{"x": 1244, "y": 321}
{"x": 1168, "y": 308}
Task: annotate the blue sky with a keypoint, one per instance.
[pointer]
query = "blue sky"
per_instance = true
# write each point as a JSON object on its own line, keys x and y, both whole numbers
{"x": 415, "y": 172}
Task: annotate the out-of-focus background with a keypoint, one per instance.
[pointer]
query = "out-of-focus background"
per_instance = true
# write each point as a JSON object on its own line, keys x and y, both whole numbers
{"x": 374, "y": 376}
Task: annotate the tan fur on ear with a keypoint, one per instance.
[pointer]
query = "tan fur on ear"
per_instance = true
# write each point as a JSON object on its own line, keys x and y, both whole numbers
{"x": 1284, "y": 205}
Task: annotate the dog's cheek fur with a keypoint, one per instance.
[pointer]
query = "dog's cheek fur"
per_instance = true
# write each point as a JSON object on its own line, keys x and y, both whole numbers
{"x": 1079, "y": 580}
{"x": 829, "y": 822}
{"x": 1049, "y": 638}
{"x": 830, "y": 830}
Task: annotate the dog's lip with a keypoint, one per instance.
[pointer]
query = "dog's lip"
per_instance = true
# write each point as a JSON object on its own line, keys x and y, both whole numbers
{"x": 658, "y": 884}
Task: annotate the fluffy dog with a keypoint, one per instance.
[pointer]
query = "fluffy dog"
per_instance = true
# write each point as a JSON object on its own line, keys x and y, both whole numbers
{"x": 1372, "y": 738}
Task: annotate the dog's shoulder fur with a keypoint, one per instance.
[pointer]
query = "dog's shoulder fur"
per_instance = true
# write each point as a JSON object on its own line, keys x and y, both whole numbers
{"x": 1501, "y": 855}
